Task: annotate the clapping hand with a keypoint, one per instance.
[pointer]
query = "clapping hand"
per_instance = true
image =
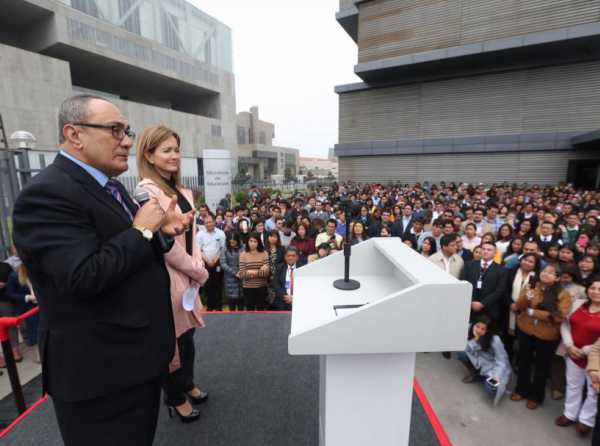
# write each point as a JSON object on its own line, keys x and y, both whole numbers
{"x": 575, "y": 353}
{"x": 595, "y": 375}
{"x": 174, "y": 222}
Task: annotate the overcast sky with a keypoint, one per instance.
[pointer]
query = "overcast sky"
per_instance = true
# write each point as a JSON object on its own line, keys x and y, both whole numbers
{"x": 288, "y": 56}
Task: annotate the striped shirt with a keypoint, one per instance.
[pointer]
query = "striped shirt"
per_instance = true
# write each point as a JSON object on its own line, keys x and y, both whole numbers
{"x": 254, "y": 261}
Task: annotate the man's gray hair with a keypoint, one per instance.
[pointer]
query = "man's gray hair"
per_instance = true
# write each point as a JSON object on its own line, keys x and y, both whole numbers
{"x": 74, "y": 109}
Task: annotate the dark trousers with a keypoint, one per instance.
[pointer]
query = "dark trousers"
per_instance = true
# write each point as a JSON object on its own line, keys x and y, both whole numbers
{"x": 213, "y": 289}
{"x": 125, "y": 418}
{"x": 280, "y": 305}
{"x": 236, "y": 304}
{"x": 255, "y": 299}
{"x": 181, "y": 381}
{"x": 539, "y": 353}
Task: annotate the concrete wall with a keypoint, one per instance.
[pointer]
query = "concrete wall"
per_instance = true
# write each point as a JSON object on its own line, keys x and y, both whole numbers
{"x": 392, "y": 28}
{"x": 32, "y": 86}
{"x": 561, "y": 98}
{"x": 533, "y": 167}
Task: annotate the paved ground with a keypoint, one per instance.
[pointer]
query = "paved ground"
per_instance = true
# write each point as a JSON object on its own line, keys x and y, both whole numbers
{"x": 28, "y": 369}
{"x": 465, "y": 410}
{"x": 470, "y": 419}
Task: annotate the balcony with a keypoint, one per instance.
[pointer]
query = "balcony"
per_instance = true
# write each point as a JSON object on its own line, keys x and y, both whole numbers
{"x": 347, "y": 17}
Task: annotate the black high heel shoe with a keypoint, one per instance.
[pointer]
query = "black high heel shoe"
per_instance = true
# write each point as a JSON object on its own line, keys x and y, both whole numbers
{"x": 198, "y": 399}
{"x": 193, "y": 416}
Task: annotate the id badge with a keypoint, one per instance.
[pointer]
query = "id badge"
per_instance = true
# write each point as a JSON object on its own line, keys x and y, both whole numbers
{"x": 479, "y": 284}
{"x": 218, "y": 269}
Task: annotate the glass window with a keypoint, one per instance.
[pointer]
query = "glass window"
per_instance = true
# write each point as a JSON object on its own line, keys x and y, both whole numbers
{"x": 128, "y": 9}
{"x": 241, "y": 135}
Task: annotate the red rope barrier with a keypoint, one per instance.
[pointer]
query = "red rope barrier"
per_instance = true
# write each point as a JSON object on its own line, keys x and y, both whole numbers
{"x": 8, "y": 322}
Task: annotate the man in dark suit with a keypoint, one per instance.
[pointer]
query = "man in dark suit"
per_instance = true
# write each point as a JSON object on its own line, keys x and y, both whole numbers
{"x": 106, "y": 323}
{"x": 489, "y": 283}
{"x": 403, "y": 225}
{"x": 547, "y": 236}
{"x": 283, "y": 281}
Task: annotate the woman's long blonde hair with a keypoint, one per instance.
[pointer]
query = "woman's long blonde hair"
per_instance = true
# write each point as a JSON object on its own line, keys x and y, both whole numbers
{"x": 149, "y": 140}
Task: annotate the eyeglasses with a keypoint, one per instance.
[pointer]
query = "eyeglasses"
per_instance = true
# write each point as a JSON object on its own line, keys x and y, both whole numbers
{"x": 119, "y": 131}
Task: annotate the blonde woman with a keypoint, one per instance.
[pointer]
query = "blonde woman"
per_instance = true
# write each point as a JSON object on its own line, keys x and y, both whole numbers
{"x": 158, "y": 161}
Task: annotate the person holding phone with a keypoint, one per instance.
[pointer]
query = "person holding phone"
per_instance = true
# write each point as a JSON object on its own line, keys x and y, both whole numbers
{"x": 486, "y": 359}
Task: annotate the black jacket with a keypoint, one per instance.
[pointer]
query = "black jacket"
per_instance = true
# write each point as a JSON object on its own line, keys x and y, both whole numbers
{"x": 106, "y": 321}
{"x": 491, "y": 294}
{"x": 278, "y": 285}
{"x": 398, "y": 229}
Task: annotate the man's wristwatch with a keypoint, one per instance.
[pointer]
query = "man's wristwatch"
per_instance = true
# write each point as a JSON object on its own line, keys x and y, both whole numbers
{"x": 146, "y": 233}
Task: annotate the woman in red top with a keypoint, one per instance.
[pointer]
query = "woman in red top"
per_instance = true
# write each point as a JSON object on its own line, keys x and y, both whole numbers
{"x": 579, "y": 332}
{"x": 303, "y": 243}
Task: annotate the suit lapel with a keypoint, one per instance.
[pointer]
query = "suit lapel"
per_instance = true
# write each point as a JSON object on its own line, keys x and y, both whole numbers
{"x": 91, "y": 185}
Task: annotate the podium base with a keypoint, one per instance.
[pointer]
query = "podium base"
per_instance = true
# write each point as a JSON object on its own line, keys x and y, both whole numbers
{"x": 350, "y": 285}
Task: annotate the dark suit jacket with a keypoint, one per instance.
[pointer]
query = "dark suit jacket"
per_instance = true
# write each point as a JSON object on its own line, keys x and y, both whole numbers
{"x": 491, "y": 294}
{"x": 278, "y": 285}
{"x": 544, "y": 245}
{"x": 398, "y": 229}
{"x": 105, "y": 309}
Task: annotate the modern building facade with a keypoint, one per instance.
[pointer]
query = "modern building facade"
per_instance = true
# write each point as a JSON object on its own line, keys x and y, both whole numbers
{"x": 159, "y": 61}
{"x": 320, "y": 167}
{"x": 258, "y": 157}
{"x": 469, "y": 90}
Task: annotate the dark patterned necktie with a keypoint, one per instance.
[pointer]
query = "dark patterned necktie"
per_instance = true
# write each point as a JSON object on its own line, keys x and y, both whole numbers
{"x": 113, "y": 189}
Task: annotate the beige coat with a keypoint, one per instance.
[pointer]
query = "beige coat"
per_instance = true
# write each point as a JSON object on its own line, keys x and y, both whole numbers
{"x": 456, "y": 263}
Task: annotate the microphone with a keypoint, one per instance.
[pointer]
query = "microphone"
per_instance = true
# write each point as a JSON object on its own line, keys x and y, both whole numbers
{"x": 142, "y": 197}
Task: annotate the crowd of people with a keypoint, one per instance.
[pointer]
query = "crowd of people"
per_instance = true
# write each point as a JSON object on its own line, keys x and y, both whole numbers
{"x": 118, "y": 282}
{"x": 530, "y": 253}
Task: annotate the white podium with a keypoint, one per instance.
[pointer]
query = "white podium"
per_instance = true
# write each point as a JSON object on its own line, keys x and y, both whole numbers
{"x": 367, "y": 338}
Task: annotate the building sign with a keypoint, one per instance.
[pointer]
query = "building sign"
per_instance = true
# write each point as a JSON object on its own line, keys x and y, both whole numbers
{"x": 217, "y": 176}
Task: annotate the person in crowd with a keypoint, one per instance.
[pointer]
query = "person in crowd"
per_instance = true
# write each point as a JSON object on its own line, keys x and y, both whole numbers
{"x": 285, "y": 232}
{"x": 283, "y": 281}
{"x": 159, "y": 159}
{"x": 330, "y": 236}
{"x": 341, "y": 222}
{"x": 79, "y": 233}
{"x": 319, "y": 212}
{"x": 540, "y": 310}
{"x": 212, "y": 245}
{"x": 566, "y": 256}
{"x": 568, "y": 280}
{"x": 482, "y": 226}
{"x": 515, "y": 248}
{"x": 403, "y": 224}
{"x": 526, "y": 230}
{"x": 19, "y": 291}
{"x": 587, "y": 269}
{"x": 465, "y": 254}
{"x": 254, "y": 273}
{"x": 486, "y": 359}
{"x": 7, "y": 310}
{"x": 477, "y": 255}
{"x": 303, "y": 244}
{"x": 530, "y": 247}
{"x": 259, "y": 228}
{"x": 470, "y": 239}
{"x": 489, "y": 282}
{"x": 518, "y": 278}
{"x": 551, "y": 253}
{"x": 579, "y": 331}
{"x": 385, "y": 232}
{"x": 428, "y": 247}
{"x": 365, "y": 217}
{"x": 570, "y": 230}
{"x": 230, "y": 263}
{"x": 275, "y": 253}
{"x": 447, "y": 260}
{"x": 323, "y": 250}
{"x": 505, "y": 234}
{"x": 358, "y": 233}
{"x": 436, "y": 233}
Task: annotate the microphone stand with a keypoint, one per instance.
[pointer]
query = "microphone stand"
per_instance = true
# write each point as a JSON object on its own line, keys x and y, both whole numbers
{"x": 347, "y": 284}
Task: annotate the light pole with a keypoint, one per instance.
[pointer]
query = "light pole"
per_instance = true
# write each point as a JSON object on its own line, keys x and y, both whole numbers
{"x": 22, "y": 142}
